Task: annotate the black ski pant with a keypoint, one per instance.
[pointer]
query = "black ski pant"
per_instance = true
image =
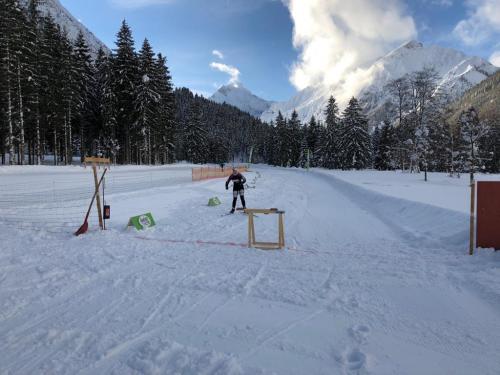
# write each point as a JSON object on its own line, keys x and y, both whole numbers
{"x": 241, "y": 193}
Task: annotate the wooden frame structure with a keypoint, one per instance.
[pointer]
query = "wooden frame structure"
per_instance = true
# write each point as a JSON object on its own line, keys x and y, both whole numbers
{"x": 97, "y": 162}
{"x": 252, "y": 243}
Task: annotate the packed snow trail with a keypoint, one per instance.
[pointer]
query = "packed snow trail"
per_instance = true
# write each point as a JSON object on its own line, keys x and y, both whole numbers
{"x": 356, "y": 292}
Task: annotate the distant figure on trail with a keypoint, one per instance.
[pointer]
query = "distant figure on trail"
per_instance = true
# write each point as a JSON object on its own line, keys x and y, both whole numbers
{"x": 238, "y": 188}
{"x": 222, "y": 166}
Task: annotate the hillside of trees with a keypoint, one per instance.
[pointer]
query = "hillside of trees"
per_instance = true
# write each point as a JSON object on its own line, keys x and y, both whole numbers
{"x": 56, "y": 100}
{"x": 485, "y": 97}
{"x": 421, "y": 139}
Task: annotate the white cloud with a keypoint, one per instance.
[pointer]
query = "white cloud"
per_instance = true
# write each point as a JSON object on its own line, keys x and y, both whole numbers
{"x": 138, "y": 3}
{"x": 338, "y": 38}
{"x": 218, "y": 54}
{"x": 483, "y": 22}
{"x": 495, "y": 58}
{"x": 233, "y": 72}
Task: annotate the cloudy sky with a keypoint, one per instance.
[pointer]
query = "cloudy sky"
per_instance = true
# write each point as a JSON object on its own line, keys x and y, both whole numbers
{"x": 276, "y": 47}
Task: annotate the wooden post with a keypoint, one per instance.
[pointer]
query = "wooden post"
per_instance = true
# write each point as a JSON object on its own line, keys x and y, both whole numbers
{"x": 472, "y": 216}
{"x": 281, "y": 232}
{"x": 98, "y": 198}
{"x": 253, "y": 228}
{"x": 250, "y": 216}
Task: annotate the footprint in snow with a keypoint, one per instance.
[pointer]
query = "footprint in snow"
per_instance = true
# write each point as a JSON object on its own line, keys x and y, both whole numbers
{"x": 359, "y": 333}
{"x": 355, "y": 359}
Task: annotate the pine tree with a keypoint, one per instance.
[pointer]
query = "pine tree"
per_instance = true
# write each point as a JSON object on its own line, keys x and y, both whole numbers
{"x": 107, "y": 113}
{"x": 125, "y": 78}
{"x": 166, "y": 112}
{"x": 10, "y": 45}
{"x": 385, "y": 155}
{"x": 294, "y": 140}
{"x": 314, "y": 136}
{"x": 305, "y": 153}
{"x": 376, "y": 148}
{"x": 330, "y": 151}
{"x": 146, "y": 102}
{"x": 84, "y": 73}
{"x": 439, "y": 134}
{"x": 489, "y": 150}
{"x": 472, "y": 131}
{"x": 195, "y": 137}
{"x": 355, "y": 147}
{"x": 283, "y": 144}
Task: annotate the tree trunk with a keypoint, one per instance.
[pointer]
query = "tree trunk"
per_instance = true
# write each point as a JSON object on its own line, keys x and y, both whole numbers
{"x": 70, "y": 140}
{"x": 21, "y": 115}
{"x": 38, "y": 153}
{"x": 9, "y": 111}
{"x": 55, "y": 143}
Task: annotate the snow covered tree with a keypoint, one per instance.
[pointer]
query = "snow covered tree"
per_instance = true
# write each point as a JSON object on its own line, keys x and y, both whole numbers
{"x": 195, "y": 137}
{"x": 489, "y": 150}
{"x": 400, "y": 90}
{"x": 283, "y": 145}
{"x": 10, "y": 47}
{"x": 294, "y": 140}
{"x": 305, "y": 153}
{"x": 314, "y": 136}
{"x": 472, "y": 131}
{"x": 330, "y": 151}
{"x": 146, "y": 103}
{"x": 165, "y": 132}
{"x": 385, "y": 154}
{"x": 84, "y": 75}
{"x": 125, "y": 78}
{"x": 439, "y": 139}
{"x": 354, "y": 141}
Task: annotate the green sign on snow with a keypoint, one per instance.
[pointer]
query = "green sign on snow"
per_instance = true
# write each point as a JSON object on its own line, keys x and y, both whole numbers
{"x": 142, "y": 222}
{"x": 212, "y": 202}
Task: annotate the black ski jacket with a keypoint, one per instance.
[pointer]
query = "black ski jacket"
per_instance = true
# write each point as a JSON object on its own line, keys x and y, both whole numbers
{"x": 238, "y": 182}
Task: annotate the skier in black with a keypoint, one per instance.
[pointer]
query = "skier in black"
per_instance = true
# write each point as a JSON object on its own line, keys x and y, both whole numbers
{"x": 238, "y": 187}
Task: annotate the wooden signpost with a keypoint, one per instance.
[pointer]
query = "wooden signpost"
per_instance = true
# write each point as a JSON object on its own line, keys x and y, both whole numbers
{"x": 95, "y": 163}
{"x": 252, "y": 243}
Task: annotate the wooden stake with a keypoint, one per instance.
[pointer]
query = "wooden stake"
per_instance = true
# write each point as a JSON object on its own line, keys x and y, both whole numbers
{"x": 250, "y": 230}
{"x": 281, "y": 232}
{"x": 472, "y": 216}
{"x": 253, "y": 229}
{"x": 98, "y": 198}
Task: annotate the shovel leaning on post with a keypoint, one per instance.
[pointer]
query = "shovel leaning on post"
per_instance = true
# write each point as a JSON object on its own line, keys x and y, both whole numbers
{"x": 85, "y": 226}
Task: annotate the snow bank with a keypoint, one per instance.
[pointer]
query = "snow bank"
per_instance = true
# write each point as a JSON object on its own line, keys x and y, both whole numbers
{"x": 421, "y": 222}
{"x": 440, "y": 190}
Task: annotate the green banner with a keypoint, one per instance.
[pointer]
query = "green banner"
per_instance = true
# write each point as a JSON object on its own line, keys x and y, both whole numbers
{"x": 142, "y": 222}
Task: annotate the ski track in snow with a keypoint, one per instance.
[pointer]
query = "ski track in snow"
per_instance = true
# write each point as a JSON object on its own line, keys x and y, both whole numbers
{"x": 370, "y": 284}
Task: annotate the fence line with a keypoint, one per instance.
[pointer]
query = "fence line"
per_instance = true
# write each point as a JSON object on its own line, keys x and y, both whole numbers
{"x": 206, "y": 173}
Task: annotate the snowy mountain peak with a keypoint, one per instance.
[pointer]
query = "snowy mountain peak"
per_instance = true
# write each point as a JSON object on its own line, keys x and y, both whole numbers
{"x": 458, "y": 72}
{"x": 69, "y": 24}
{"x": 233, "y": 87}
{"x": 412, "y": 44}
{"x": 237, "y": 95}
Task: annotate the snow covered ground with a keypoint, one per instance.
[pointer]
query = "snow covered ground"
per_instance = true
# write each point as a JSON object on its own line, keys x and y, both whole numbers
{"x": 375, "y": 279}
